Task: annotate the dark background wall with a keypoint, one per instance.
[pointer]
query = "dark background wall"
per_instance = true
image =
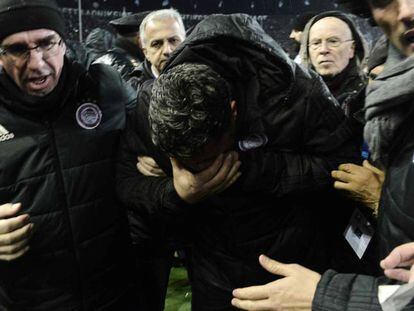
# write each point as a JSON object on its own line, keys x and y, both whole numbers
{"x": 254, "y": 7}
{"x": 275, "y": 16}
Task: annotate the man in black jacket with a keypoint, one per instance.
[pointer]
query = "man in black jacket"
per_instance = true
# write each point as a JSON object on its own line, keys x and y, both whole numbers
{"x": 160, "y": 32}
{"x": 333, "y": 46}
{"x": 283, "y": 134}
{"x": 389, "y": 133}
{"x": 126, "y": 55}
{"x": 63, "y": 234}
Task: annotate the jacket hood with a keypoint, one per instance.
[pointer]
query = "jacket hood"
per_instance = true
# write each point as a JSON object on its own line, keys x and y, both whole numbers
{"x": 258, "y": 71}
{"x": 99, "y": 40}
{"x": 361, "y": 47}
{"x": 227, "y": 32}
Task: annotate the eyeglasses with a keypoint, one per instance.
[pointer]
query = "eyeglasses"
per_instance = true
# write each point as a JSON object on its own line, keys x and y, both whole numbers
{"x": 330, "y": 43}
{"x": 20, "y": 52}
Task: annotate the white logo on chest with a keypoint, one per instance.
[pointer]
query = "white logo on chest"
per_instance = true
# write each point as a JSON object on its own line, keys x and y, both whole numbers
{"x": 5, "y": 134}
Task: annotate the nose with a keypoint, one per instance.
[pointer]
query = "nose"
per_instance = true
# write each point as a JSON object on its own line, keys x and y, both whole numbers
{"x": 292, "y": 35}
{"x": 35, "y": 59}
{"x": 324, "y": 48}
{"x": 406, "y": 11}
{"x": 167, "y": 49}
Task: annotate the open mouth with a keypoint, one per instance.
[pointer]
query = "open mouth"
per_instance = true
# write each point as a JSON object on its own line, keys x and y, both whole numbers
{"x": 409, "y": 36}
{"x": 38, "y": 80}
{"x": 37, "y": 83}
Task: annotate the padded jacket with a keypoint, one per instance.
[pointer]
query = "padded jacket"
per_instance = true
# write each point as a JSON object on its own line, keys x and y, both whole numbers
{"x": 389, "y": 102}
{"x": 63, "y": 175}
{"x": 290, "y": 134}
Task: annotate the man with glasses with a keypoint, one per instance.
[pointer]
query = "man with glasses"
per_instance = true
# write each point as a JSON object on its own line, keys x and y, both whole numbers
{"x": 389, "y": 132}
{"x": 63, "y": 235}
{"x": 335, "y": 49}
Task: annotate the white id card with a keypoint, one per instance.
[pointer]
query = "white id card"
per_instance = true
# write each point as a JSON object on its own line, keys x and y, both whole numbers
{"x": 359, "y": 233}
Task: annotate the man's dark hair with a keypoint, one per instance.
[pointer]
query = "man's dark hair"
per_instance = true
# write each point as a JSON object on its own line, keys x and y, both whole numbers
{"x": 190, "y": 106}
{"x": 301, "y": 20}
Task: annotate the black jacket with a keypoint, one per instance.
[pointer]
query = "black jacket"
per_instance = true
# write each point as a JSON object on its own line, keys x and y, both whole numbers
{"x": 125, "y": 57}
{"x": 389, "y": 106}
{"x": 63, "y": 174}
{"x": 141, "y": 74}
{"x": 292, "y": 135}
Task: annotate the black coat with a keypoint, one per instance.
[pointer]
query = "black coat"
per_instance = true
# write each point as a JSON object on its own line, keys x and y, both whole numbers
{"x": 125, "y": 57}
{"x": 302, "y": 136}
{"x": 141, "y": 74}
{"x": 63, "y": 174}
{"x": 388, "y": 95}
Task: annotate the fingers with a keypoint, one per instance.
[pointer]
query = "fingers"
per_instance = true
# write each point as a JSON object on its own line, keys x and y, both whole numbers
{"x": 14, "y": 256}
{"x": 147, "y": 161}
{"x": 398, "y": 274}
{"x": 9, "y": 210}
{"x": 16, "y": 236}
{"x": 227, "y": 175}
{"x": 14, "y": 248}
{"x": 148, "y": 167}
{"x": 209, "y": 173}
{"x": 252, "y": 292}
{"x": 252, "y": 305}
{"x": 342, "y": 176}
{"x": 349, "y": 168}
{"x": 15, "y": 232}
{"x": 11, "y": 224}
{"x": 175, "y": 164}
{"x": 276, "y": 267}
{"x": 402, "y": 255}
{"x": 145, "y": 170}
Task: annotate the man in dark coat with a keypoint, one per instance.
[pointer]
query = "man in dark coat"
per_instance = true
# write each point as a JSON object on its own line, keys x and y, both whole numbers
{"x": 63, "y": 235}
{"x": 389, "y": 133}
{"x": 333, "y": 47}
{"x": 161, "y": 32}
{"x": 126, "y": 55}
{"x": 284, "y": 136}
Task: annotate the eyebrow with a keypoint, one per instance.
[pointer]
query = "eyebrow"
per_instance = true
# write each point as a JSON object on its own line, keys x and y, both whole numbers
{"x": 41, "y": 40}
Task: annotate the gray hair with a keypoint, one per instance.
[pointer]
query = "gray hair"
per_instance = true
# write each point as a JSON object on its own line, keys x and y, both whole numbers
{"x": 157, "y": 16}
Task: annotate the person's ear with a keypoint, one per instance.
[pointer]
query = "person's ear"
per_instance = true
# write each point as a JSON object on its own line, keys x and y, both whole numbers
{"x": 352, "y": 51}
{"x": 233, "y": 107}
{"x": 64, "y": 47}
{"x": 138, "y": 41}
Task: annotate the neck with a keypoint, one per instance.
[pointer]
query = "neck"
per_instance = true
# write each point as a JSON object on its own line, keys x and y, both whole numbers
{"x": 155, "y": 71}
{"x": 337, "y": 82}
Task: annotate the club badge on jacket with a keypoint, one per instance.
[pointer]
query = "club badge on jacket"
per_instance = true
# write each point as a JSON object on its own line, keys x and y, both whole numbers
{"x": 89, "y": 115}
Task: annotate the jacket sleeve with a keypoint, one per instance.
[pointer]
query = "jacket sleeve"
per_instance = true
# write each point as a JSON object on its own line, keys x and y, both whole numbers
{"x": 135, "y": 190}
{"x": 343, "y": 292}
{"x": 302, "y": 162}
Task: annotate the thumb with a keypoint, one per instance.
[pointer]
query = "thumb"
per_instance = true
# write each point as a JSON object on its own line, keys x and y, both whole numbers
{"x": 372, "y": 168}
{"x": 176, "y": 165}
{"x": 275, "y": 267}
{"x": 9, "y": 210}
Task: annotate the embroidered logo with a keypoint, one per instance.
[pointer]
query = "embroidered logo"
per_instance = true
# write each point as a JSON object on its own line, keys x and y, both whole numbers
{"x": 5, "y": 134}
{"x": 89, "y": 116}
{"x": 253, "y": 142}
